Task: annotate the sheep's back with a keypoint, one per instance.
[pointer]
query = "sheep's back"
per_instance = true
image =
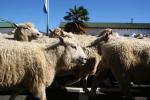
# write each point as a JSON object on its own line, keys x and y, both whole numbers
{"x": 126, "y": 52}
{"x": 19, "y": 61}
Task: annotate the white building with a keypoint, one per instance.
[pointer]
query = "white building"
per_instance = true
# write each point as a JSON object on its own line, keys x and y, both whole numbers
{"x": 94, "y": 28}
{"x": 6, "y": 27}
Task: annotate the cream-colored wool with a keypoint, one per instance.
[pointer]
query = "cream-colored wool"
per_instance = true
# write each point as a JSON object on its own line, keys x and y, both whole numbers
{"x": 85, "y": 40}
{"x": 32, "y": 66}
{"x": 92, "y": 53}
{"x": 127, "y": 58}
{"x": 26, "y": 32}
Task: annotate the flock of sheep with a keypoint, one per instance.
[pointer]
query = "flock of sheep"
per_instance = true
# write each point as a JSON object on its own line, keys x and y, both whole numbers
{"x": 33, "y": 62}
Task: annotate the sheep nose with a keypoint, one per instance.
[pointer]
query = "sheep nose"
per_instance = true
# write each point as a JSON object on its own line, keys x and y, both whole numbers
{"x": 83, "y": 60}
{"x": 38, "y": 34}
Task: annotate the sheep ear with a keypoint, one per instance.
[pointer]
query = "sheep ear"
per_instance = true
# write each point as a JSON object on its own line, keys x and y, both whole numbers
{"x": 63, "y": 33}
{"x": 50, "y": 30}
{"x": 15, "y": 25}
{"x": 106, "y": 37}
{"x": 61, "y": 40}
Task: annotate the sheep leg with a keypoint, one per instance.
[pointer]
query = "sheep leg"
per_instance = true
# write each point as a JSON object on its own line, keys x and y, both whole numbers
{"x": 77, "y": 79}
{"x": 84, "y": 80}
{"x": 99, "y": 77}
{"x": 90, "y": 65}
{"x": 39, "y": 92}
{"x": 14, "y": 94}
{"x": 124, "y": 83}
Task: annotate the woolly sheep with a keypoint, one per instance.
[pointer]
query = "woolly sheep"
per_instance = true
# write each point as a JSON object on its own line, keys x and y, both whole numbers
{"x": 85, "y": 40}
{"x": 26, "y": 32}
{"x": 127, "y": 58}
{"x": 92, "y": 54}
{"x": 32, "y": 66}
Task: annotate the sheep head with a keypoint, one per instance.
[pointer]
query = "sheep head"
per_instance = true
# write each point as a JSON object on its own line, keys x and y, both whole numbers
{"x": 26, "y": 32}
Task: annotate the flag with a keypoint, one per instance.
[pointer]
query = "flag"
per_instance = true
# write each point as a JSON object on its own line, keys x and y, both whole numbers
{"x": 46, "y": 6}
{"x": 46, "y": 10}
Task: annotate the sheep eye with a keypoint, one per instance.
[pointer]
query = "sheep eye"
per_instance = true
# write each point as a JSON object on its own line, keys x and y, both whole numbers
{"x": 74, "y": 47}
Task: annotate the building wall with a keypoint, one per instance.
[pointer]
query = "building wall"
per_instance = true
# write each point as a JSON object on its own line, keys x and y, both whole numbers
{"x": 96, "y": 31}
{"x": 6, "y": 30}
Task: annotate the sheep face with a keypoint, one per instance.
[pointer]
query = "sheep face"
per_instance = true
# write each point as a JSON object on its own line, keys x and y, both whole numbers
{"x": 26, "y": 33}
{"x": 56, "y": 33}
{"x": 104, "y": 36}
{"x": 34, "y": 33}
{"x": 59, "y": 32}
{"x": 73, "y": 53}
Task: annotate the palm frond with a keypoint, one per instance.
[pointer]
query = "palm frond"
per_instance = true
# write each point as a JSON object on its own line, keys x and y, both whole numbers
{"x": 76, "y": 17}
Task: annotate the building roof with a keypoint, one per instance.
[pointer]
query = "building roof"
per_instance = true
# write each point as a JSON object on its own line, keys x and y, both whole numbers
{"x": 114, "y": 25}
{"x": 4, "y": 24}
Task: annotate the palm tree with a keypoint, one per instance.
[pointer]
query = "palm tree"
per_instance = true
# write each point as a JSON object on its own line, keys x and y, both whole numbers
{"x": 76, "y": 18}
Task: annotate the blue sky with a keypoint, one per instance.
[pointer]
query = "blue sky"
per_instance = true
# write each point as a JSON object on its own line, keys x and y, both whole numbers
{"x": 99, "y": 11}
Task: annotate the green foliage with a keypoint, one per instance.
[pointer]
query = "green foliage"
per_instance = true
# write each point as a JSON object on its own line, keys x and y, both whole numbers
{"x": 76, "y": 18}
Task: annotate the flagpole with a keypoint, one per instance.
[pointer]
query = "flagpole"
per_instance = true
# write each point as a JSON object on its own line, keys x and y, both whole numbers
{"x": 47, "y": 26}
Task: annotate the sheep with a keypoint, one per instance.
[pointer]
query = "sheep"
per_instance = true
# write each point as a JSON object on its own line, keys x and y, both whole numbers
{"x": 92, "y": 53}
{"x": 26, "y": 32}
{"x": 84, "y": 40}
{"x": 127, "y": 58}
{"x": 32, "y": 66}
